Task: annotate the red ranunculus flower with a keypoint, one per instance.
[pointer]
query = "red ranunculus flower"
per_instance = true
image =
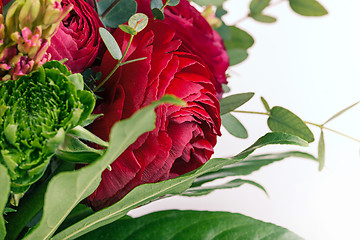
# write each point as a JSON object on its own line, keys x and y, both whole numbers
{"x": 78, "y": 37}
{"x": 197, "y": 36}
{"x": 184, "y": 136}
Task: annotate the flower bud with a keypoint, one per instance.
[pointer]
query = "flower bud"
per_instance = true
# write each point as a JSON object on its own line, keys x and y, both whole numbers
{"x": 28, "y": 13}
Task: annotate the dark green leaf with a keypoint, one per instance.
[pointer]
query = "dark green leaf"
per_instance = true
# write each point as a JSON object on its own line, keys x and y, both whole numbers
{"x": 220, "y": 12}
{"x": 119, "y": 14}
{"x": 158, "y": 14}
{"x": 173, "y": 3}
{"x": 110, "y": 43}
{"x": 266, "y": 105}
{"x": 66, "y": 190}
{"x": 233, "y": 126}
{"x": 250, "y": 165}
{"x": 341, "y": 112}
{"x": 308, "y": 7}
{"x": 232, "y": 102}
{"x": 147, "y": 192}
{"x": 263, "y": 18}
{"x": 175, "y": 224}
{"x": 138, "y": 21}
{"x": 237, "y": 55}
{"x": 239, "y": 39}
{"x": 4, "y": 195}
{"x": 224, "y": 31}
{"x": 321, "y": 151}
{"x": 282, "y": 120}
{"x": 201, "y": 191}
{"x": 257, "y": 6}
{"x": 128, "y": 29}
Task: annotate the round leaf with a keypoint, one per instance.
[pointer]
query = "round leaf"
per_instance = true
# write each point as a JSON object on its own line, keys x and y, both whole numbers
{"x": 110, "y": 43}
{"x": 138, "y": 21}
{"x": 308, "y": 7}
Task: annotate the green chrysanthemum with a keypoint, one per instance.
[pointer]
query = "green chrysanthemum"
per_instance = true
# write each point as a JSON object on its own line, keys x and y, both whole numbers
{"x": 36, "y": 111}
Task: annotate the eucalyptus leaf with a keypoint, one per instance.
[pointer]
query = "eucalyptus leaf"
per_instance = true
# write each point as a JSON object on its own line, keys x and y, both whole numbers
{"x": 4, "y": 196}
{"x": 176, "y": 224}
{"x": 340, "y": 113}
{"x": 110, "y": 43}
{"x": 282, "y": 120}
{"x": 321, "y": 151}
{"x": 217, "y": 3}
{"x": 237, "y": 55}
{"x": 249, "y": 165}
{"x": 128, "y": 29}
{"x": 66, "y": 190}
{"x": 158, "y": 13}
{"x": 257, "y": 6}
{"x": 118, "y": 14}
{"x": 232, "y": 102}
{"x": 201, "y": 191}
{"x": 233, "y": 126}
{"x": 239, "y": 39}
{"x": 144, "y": 193}
{"x": 156, "y": 4}
{"x": 138, "y": 21}
{"x": 308, "y": 7}
{"x": 263, "y": 18}
{"x": 173, "y": 3}
{"x": 266, "y": 104}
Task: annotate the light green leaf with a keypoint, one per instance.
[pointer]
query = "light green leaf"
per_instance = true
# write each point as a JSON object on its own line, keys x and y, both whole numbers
{"x": 201, "y": 191}
{"x": 217, "y": 3}
{"x": 110, "y": 43}
{"x": 263, "y": 18}
{"x": 225, "y": 88}
{"x": 340, "y": 113}
{"x": 175, "y": 224}
{"x": 85, "y": 134}
{"x": 118, "y": 14}
{"x": 138, "y": 21}
{"x": 4, "y": 195}
{"x": 233, "y": 126}
{"x": 257, "y": 6}
{"x": 156, "y": 4}
{"x": 308, "y": 7}
{"x": 250, "y": 165}
{"x": 266, "y": 105}
{"x": 77, "y": 80}
{"x": 90, "y": 119}
{"x": 282, "y": 120}
{"x": 237, "y": 55}
{"x": 66, "y": 190}
{"x": 128, "y": 29}
{"x": 147, "y": 192}
{"x": 173, "y": 3}
{"x": 232, "y": 102}
{"x": 321, "y": 151}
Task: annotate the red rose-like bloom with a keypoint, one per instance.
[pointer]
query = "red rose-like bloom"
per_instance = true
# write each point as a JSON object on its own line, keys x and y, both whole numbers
{"x": 184, "y": 137}
{"x": 197, "y": 36}
{"x": 78, "y": 37}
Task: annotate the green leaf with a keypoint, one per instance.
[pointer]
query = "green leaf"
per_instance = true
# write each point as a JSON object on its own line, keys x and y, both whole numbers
{"x": 257, "y": 6}
{"x": 237, "y": 55}
{"x": 175, "y": 224}
{"x": 225, "y": 88}
{"x": 158, "y": 14}
{"x": 147, "y": 192}
{"x": 128, "y": 29}
{"x": 341, "y": 112}
{"x": 66, "y": 190}
{"x": 173, "y": 3}
{"x": 77, "y": 80}
{"x": 4, "y": 195}
{"x": 138, "y": 21}
{"x": 201, "y": 191}
{"x": 266, "y": 105}
{"x": 217, "y": 3}
{"x": 118, "y": 14}
{"x": 250, "y": 165}
{"x": 308, "y": 7}
{"x": 321, "y": 151}
{"x": 233, "y": 126}
{"x": 90, "y": 119}
{"x": 156, "y": 4}
{"x": 110, "y": 43}
{"x": 232, "y": 102}
{"x": 282, "y": 120}
{"x": 239, "y": 39}
{"x": 263, "y": 18}
{"x": 85, "y": 134}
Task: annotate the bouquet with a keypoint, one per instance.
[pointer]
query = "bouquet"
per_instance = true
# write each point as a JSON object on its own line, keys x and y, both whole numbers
{"x": 110, "y": 105}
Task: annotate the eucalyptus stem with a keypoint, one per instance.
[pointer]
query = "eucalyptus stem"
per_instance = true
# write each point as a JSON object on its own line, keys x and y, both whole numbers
{"x": 118, "y": 64}
{"x": 310, "y": 123}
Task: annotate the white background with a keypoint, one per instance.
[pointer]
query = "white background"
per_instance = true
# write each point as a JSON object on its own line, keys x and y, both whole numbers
{"x": 310, "y": 66}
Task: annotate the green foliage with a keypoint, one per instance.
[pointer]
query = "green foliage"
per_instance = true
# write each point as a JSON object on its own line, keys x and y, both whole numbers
{"x": 110, "y": 43}
{"x": 233, "y": 126}
{"x": 30, "y": 133}
{"x": 282, "y": 120}
{"x": 237, "y": 42}
{"x": 257, "y": 6}
{"x": 138, "y": 22}
{"x": 67, "y": 189}
{"x": 232, "y": 102}
{"x": 172, "y": 3}
{"x": 340, "y": 112}
{"x": 217, "y": 3}
{"x": 4, "y": 195}
{"x": 147, "y": 192}
{"x": 175, "y": 224}
{"x": 266, "y": 104}
{"x": 157, "y": 9}
{"x": 308, "y": 7}
{"x": 114, "y": 15}
{"x": 321, "y": 151}
{"x": 263, "y": 18}
{"x": 249, "y": 165}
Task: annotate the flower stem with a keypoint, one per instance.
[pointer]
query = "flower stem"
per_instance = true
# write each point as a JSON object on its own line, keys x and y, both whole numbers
{"x": 310, "y": 123}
